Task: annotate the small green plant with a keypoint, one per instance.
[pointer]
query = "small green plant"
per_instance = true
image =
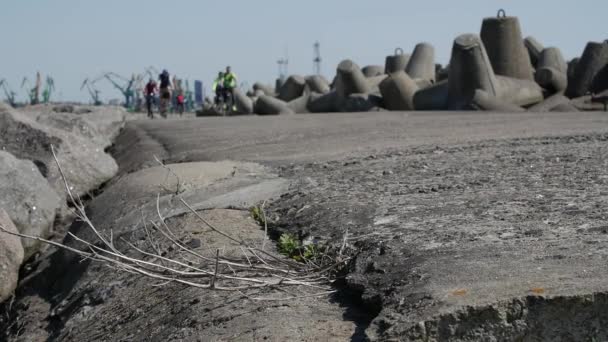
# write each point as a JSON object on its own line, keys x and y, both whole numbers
{"x": 311, "y": 252}
{"x": 258, "y": 215}
{"x": 291, "y": 247}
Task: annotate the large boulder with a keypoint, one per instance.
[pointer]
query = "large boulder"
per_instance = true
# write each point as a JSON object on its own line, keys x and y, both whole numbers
{"x": 28, "y": 199}
{"x": 84, "y": 162}
{"x": 11, "y": 257}
{"x": 100, "y": 125}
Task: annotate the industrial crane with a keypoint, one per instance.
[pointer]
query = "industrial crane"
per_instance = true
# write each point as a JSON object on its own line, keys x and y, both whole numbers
{"x": 9, "y": 93}
{"x": 33, "y": 93}
{"x": 128, "y": 89}
{"x": 93, "y": 91}
{"x": 49, "y": 87}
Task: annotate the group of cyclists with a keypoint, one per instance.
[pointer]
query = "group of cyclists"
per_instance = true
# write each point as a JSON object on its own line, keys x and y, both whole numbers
{"x": 164, "y": 91}
{"x": 223, "y": 87}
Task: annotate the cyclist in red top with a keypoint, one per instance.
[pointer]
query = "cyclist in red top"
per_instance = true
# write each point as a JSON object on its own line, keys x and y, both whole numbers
{"x": 150, "y": 93}
{"x": 181, "y": 100}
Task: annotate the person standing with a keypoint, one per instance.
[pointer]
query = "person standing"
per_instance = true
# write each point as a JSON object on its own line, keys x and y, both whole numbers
{"x": 150, "y": 94}
{"x": 165, "y": 92}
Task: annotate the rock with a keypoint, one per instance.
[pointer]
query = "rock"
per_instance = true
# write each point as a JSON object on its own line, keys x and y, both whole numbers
{"x": 28, "y": 199}
{"x": 504, "y": 44}
{"x": 85, "y": 164}
{"x": 100, "y": 125}
{"x": 11, "y": 257}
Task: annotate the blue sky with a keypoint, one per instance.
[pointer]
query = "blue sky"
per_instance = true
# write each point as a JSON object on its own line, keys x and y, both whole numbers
{"x": 75, "y": 39}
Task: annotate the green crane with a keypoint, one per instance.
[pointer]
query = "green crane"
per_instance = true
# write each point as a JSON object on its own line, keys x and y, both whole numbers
{"x": 128, "y": 89}
{"x": 33, "y": 93}
{"x": 49, "y": 87}
{"x": 93, "y": 92}
{"x": 9, "y": 93}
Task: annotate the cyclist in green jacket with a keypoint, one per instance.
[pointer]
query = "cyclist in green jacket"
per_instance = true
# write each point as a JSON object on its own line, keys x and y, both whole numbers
{"x": 230, "y": 82}
{"x": 218, "y": 88}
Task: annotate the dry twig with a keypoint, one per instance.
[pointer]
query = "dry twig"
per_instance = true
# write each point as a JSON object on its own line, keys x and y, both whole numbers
{"x": 257, "y": 268}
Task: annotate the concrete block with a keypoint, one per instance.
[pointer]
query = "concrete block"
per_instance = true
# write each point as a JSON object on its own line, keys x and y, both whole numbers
{"x": 292, "y": 88}
{"x": 484, "y": 101}
{"x": 434, "y": 97}
{"x": 398, "y": 91}
{"x": 397, "y": 62}
{"x": 350, "y": 79}
{"x": 374, "y": 83}
{"x": 299, "y": 105}
{"x": 552, "y": 57}
{"x": 572, "y": 68}
{"x": 534, "y": 48}
{"x": 244, "y": 105}
{"x": 372, "y": 70}
{"x": 264, "y": 88}
{"x": 552, "y": 70}
{"x": 360, "y": 103}
{"x": 594, "y": 58}
{"x": 318, "y": 84}
{"x": 600, "y": 81}
{"x": 470, "y": 69}
{"x": 549, "y": 103}
{"x": 565, "y": 107}
{"x": 323, "y": 103}
{"x": 551, "y": 79}
{"x": 268, "y": 105}
{"x": 505, "y": 47}
{"x": 422, "y": 63}
{"x": 519, "y": 92}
